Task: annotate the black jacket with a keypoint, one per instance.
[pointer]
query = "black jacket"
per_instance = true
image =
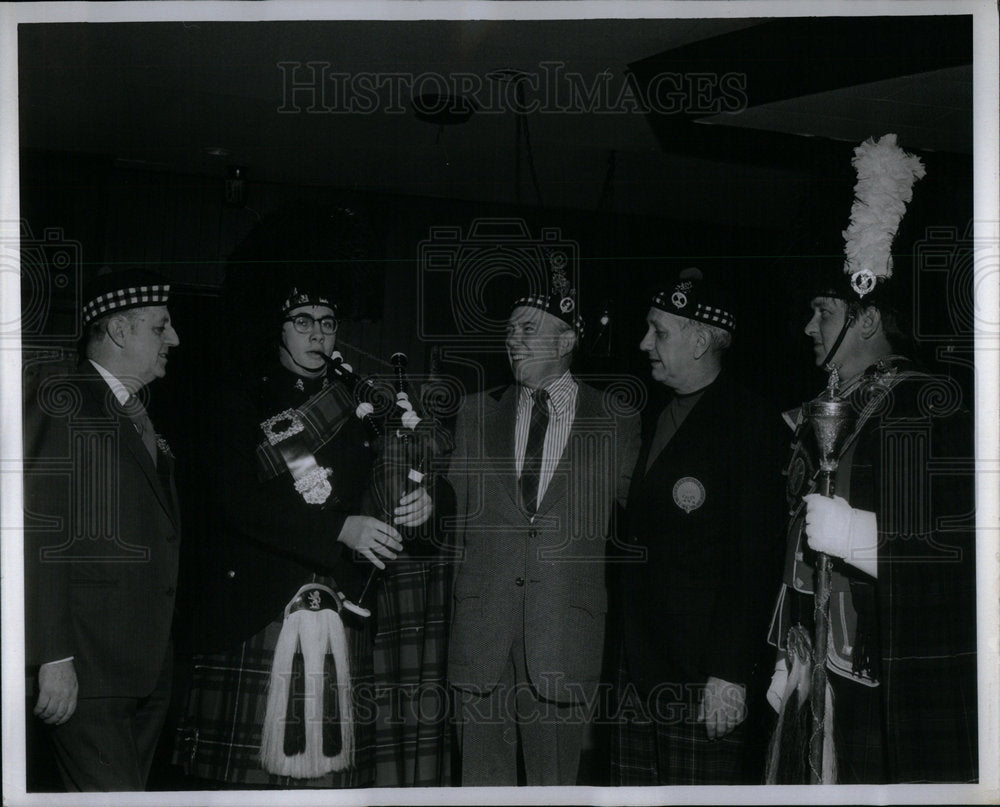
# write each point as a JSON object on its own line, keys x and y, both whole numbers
{"x": 259, "y": 541}
{"x": 708, "y": 516}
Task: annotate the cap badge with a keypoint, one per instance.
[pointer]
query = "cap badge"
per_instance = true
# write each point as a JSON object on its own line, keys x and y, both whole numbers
{"x": 689, "y": 494}
{"x": 566, "y": 304}
{"x": 679, "y": 299}
{"x": 863, "y": 281}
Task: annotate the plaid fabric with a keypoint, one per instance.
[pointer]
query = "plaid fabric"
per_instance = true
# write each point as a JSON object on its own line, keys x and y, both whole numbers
{"x": 925, "y": 606}
{"x": 129, "y": 297}
{"x": 857, "y": 733}
{"x": 219, "y": 736}
{"x": 412, "y": 730}
{"x": 685, "y": 298}
{"x": 319, "y": 420}
{"x": 560, "y": 304}
{"x": 919, "y": 724}
{"x": 662, "y": 743}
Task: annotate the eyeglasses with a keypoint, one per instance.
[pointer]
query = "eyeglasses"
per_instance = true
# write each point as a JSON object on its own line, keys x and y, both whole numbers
{"x": 303, "y": 323}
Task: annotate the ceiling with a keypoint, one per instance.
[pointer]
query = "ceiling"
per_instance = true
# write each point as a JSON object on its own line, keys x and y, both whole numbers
{"x": 747, "y": 103}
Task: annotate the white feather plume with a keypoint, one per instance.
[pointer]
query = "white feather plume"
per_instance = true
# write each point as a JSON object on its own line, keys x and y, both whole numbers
{"x": 886, "y": 175}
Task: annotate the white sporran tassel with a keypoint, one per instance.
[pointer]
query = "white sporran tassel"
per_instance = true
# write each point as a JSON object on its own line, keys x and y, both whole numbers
{"x": 313, "y": 628}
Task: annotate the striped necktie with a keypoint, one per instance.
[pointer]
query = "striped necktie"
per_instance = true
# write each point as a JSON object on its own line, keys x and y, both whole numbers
{"x": 532, "y": 468}
{"x": 143, "y": 425}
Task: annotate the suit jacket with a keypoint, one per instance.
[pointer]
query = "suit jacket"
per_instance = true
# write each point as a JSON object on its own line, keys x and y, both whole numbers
{"x": 547, "y": 576}
{"x": 258, "y": 540}
{"x": 101, "y": 538}
{"x": 708, "y": 516}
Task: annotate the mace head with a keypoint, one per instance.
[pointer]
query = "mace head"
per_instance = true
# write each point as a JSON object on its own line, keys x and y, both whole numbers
{"x": 831, "y": 421}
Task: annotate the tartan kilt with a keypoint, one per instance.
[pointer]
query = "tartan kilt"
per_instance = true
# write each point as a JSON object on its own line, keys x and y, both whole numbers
{"x": 412, "y": 729}
{"x": 219, "y": 735}
{"x": 661, "y": 742}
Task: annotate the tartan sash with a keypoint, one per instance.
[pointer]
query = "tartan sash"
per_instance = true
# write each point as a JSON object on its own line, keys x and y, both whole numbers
{"x": 293, "y": 436}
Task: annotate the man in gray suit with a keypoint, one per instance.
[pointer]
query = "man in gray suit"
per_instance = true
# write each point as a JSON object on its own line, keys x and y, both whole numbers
{"x": 536, "y": 469}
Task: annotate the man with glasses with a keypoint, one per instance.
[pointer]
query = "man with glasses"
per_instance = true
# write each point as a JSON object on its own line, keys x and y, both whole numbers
{"x": 304, "y": 355}
{"x": 283, "y": 506}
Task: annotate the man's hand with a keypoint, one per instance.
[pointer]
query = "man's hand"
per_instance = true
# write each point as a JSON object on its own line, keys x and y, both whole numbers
{"x": 723, "y": 707}
{"x": 414, "y": 509}
{"x": 371, "y": 538}
{"x": 57, "y": 689}
{"x": 837, "y": 529}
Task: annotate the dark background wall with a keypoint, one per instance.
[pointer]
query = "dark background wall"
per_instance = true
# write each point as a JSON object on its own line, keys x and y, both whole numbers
{"x": 182, "y": 226}
{"x": 97, "y": 213}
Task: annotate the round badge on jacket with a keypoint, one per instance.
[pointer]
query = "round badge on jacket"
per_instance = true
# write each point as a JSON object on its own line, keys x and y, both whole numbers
{"x": 689, "y": 493}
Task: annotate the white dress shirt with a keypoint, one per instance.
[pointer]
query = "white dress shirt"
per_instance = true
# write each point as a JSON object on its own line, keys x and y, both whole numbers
{"x": 562, "y": 410}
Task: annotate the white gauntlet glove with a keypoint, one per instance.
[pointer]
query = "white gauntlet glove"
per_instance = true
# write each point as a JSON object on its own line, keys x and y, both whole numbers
{"x": 779, "y": 681}
{"x": 837, "y": 529}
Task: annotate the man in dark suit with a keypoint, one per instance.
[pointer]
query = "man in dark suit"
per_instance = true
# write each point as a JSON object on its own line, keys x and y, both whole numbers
{"x": 101, "y": 541}
{"x": 537, "y": 468}
{"x": 705, "y": 507}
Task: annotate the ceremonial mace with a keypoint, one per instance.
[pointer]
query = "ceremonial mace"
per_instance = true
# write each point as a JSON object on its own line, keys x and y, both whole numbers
{"x": 830, "y": 417}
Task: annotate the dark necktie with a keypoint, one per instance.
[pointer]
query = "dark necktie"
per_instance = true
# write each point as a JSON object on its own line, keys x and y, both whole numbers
{"x": 143, "y": 425}
{"x": 532, "y": 468}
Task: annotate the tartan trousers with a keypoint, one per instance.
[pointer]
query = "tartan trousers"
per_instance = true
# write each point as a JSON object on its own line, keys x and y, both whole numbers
{"x": 412, "y": 727}
{"x": 657, "y": 740}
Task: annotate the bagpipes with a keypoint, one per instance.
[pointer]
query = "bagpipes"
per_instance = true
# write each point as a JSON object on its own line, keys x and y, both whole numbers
{"x": 308, "y": 724}
{"x": 406, "y": 446}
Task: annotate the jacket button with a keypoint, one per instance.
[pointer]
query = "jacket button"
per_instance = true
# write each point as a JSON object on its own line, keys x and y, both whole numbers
{"x": 519, "y": 581}
{"x": 231, "y": 574}
{"x": 532, "y": 533}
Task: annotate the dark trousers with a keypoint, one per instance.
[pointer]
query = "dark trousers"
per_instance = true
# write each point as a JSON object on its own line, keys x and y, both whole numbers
{"x": 108, "y": 743}
{"x": 494, "y": 727}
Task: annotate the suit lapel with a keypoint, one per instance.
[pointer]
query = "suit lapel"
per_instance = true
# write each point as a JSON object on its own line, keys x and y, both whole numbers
{"x": 499, "y": 418}
{"x": 130, "y": 439}
{"x": 705, "y": 410}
